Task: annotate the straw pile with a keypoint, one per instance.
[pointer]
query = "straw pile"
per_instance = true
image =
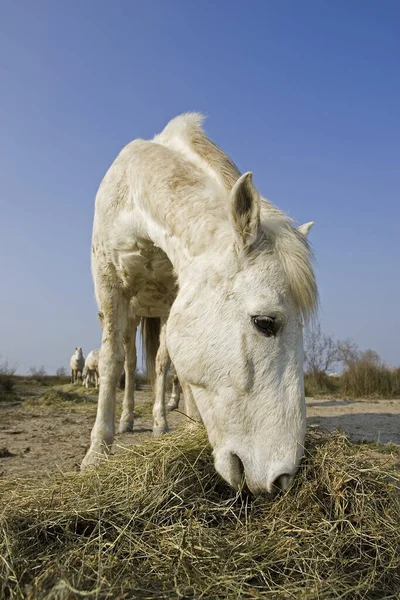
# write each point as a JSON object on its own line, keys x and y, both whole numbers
{"x": 61, "y": 394}
{"x": 157, "y": 522}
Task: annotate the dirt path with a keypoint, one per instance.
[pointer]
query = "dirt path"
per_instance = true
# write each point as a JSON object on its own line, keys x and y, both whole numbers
{"x": 37, "y": 438}
{"x": 362, "y": 420}
{"x": 39, "y": 435}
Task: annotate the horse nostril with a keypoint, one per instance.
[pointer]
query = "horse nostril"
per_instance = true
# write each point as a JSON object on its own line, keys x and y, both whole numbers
{"x": 282, "y": 482}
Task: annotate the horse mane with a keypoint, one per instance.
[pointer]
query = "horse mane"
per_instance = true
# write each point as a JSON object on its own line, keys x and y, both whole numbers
{"x": 295, "y": 255}
{"x": 185, "y": 134}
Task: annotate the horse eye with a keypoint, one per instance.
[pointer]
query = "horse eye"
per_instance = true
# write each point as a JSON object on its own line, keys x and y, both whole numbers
{"x": 268, "y": 326}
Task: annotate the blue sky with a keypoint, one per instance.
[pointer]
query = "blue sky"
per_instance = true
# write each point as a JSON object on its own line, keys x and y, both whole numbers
{"x": 304, "y": 94}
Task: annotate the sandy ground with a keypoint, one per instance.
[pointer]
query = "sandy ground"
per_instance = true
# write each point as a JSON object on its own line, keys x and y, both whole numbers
{"x": 37, "y": 439}
{"x": 361, "y": 420}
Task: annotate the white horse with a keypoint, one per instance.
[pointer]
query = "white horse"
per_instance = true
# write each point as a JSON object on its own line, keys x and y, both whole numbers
{"x": 92, "y": 368}
{"x": 77, "y": 364}
{"x": 178, "y": 232}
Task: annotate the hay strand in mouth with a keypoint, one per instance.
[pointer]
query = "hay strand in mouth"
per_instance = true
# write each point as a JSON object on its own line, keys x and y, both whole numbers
{"x": 157, "y": 522}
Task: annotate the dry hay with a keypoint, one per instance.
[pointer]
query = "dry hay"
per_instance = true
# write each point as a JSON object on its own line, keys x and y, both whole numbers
{"x": 62, "y": 394}
{"x": 79, "y": 398}
{"x": 157, "y": 522}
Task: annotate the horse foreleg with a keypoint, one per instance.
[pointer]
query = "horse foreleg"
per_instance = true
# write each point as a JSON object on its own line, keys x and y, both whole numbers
{"x": 176, "y": 392}
{"x": 89, "y": 378}
{"x": 111, "y": 361}
{"x": 128, "y": 405}
{"x": 160, "y": 424}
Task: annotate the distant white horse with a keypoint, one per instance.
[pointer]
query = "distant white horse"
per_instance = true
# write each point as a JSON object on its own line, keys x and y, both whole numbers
{"x": 178, "y": 233}
{"x": 92, "y": 368}
{"x": 77, "y": 364}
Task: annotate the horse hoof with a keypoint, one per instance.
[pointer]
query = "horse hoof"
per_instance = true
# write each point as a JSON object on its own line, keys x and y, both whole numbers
{"x": 171, "y": 407}
{"x": 125, "y": 427}
{"x": 160, "y": 430}
{"x": 91, "y": 460}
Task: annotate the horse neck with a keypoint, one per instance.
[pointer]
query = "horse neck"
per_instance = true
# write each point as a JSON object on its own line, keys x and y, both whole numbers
{"x": 190, "y": 236}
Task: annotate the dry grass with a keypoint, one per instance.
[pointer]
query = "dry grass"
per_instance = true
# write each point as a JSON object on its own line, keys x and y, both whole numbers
{"x": 320, "y": 384}
{"x": 364, "y": 379}
{"x": 65, "y": 393}
{"x": 77, "y": 398}
{"x": 361, "y": 379}
{"x": 157, "y": 522}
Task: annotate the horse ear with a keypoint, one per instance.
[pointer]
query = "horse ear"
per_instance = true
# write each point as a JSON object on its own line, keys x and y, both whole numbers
{"x": 245, "y": 210}
{"x": 305, "y": 228}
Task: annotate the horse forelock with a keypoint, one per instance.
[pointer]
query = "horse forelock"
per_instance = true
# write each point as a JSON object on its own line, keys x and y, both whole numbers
{"x": 295, "y": 256}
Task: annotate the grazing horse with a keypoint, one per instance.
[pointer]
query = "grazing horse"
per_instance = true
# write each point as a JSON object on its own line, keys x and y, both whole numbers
{"x": 181, "y": 235}
{"x": 92, "y": 368}
{"x": 77, "y": 364}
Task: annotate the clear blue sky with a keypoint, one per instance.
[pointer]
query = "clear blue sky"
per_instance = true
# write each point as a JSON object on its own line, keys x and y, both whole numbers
{"x": 304, "y": 94}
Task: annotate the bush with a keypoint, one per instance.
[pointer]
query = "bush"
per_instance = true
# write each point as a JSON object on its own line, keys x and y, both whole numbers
{"x": 319, "y": 383}
{"x": 7, "y": 379}
{"x": 321, "y": 351}
{"x": 365, "y": 374}
{"x": 368, "y": 376}
{"x": 37, "y": 373}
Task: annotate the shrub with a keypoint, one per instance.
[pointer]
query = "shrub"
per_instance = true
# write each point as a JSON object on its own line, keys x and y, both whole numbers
{"x": 368, "y": 376}
{"x": 7, "y": 379}
{"x": 319, "y": 383}
{"x": 37, "y": 373}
